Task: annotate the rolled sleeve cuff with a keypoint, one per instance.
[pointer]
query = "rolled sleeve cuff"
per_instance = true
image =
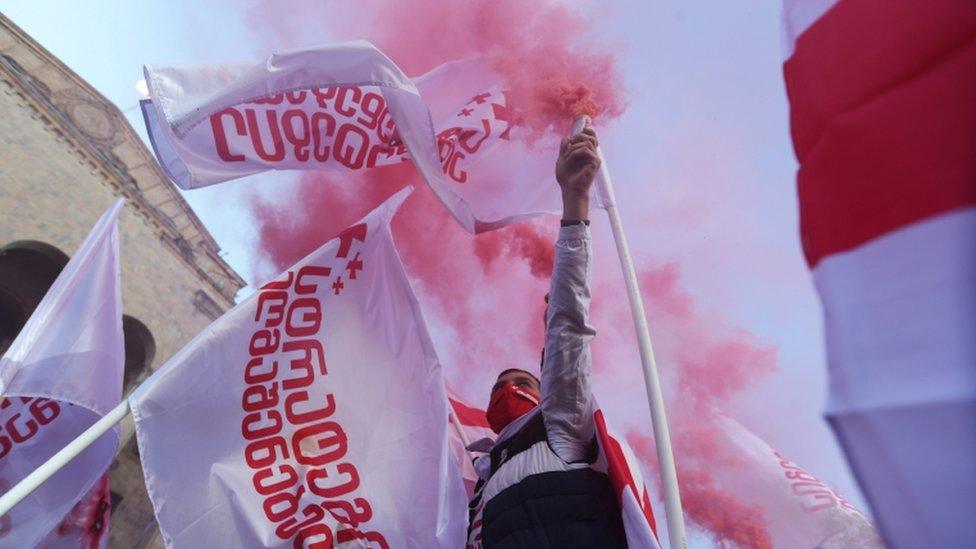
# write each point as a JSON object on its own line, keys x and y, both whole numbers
{"x": 574, "y": 232}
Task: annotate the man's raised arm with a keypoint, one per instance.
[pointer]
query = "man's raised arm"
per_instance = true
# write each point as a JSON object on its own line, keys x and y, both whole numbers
{"x": 567, "y": 398}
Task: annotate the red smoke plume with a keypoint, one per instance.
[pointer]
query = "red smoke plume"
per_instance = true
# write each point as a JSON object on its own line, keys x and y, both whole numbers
{"x": 483, "y": 294}
{"x": 708, "y": 364}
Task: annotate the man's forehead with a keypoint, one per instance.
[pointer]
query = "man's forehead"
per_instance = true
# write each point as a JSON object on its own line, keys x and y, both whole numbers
{"x": 515, "y": 375}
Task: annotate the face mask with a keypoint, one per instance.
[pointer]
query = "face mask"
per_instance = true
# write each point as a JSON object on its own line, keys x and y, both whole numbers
{"x": 508, "y": 404}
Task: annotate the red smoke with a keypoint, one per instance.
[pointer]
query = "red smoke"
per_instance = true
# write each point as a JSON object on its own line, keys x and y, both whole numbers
{"x": 706, "y": 364}
{"x": 485, "y": 292}
{"x": 552, "y": 68}
{"x": 488, "y": 289}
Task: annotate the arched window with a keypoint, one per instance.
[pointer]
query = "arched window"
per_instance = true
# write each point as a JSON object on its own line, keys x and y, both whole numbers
{"x": 140, "y": 349}
{"x": 27, "y": 270}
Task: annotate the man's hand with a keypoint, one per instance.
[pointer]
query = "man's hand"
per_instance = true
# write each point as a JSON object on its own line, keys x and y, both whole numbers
{"x": 575, "y": 169}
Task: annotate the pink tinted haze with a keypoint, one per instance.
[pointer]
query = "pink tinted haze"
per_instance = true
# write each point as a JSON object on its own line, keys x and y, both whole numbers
{"x": 486, "y": 291}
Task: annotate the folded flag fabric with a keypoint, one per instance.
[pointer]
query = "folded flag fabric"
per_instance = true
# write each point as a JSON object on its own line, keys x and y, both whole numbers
{"x": 799, "y": 510}
{"x": 61, "y": 374}
{"x": 312, "y": 414}
{"x": 347, "y": 107}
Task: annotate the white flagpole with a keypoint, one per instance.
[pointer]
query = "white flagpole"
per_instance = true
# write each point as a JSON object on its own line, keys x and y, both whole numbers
{"x": 460, "y": 430}
{"x": 662, "y": 438}
{"x": 40, "y": 475}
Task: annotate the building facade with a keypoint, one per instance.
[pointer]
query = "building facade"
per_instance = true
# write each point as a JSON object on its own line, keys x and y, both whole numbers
{"x": 66, "y": 153}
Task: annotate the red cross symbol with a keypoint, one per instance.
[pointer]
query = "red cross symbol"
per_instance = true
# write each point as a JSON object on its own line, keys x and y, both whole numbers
{"x": 479, "y": 99}
{"x": 354, "y": 266}
{"x": 502, "y": 113}
{"x": 465, "y": 112}
{"x": 338, "y": 285}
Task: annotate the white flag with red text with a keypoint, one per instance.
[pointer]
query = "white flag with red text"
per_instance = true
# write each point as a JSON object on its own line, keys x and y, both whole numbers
{"x": 616, "y": 459}
{"x": 61, "y": 374}
{"x": 799, "y": 510}
{"x": 883, "y": 118}
{"x": 312, "y": 414}
{"x": 347, "y": 107}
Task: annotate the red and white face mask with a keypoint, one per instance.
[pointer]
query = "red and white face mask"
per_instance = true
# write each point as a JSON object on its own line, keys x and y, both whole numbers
{"x": 508, "y": 404}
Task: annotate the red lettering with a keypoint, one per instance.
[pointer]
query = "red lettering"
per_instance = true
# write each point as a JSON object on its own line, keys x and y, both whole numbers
{"x": 339, "y": 487}
{"x": 259, "y": 397}
{"x": 261, "y": 453}
{"x": 341, "y": 100}
{"x": 44, "y": 410}
{"x": 332, "y": 443}
{"x": 273, "y": 417}
{"x": 317, "y": 536}
{"x": 280, "y": 284}
{"x": 220, "y": 135}
{"x": 257, "y": 141}
{"x": 350, "y": 151}
{"x": 372, "y": 106}
{"x": 297, "y": 135}
{"x": 320, "y": 149}
{"x": 311, "y": 351}
{"x": 291, "y": 526}
{"x": 298, "y": 418}
{"x": 264, "y": 342}
{"x": 308, "y": 311}
{"x": 310, "y": 270}
{"x": 346, "y": 237}
{"x": 352, "y": 513}
{"x": 287, "y": 471}
{"x": 276, "y": 309}
{"x": 253, "y": 377}
{"x": 290, "y": 502}
{"x": 14, "y": 431}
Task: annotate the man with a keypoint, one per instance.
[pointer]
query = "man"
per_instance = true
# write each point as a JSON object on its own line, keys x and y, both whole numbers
{"x": 537, "y": 487}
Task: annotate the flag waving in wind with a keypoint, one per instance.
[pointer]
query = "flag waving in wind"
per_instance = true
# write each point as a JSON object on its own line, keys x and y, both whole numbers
{"x": 61, "y": 374}
{"x": 883, "y": 117}
{"x": 312, "y": 414}
{"x": 347, "y": 107}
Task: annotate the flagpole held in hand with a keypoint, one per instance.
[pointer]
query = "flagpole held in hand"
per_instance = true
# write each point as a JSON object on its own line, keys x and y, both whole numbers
{"x": 662, "y": 438}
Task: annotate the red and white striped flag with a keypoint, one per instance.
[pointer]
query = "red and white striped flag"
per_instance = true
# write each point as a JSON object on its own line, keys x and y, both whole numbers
{"x": 312, "y": 414}
{"x": 347, "y": 107}
{"x": 883, "y": 115}
{"x": 60, "y": 376}
{"x": 616, "y": 459}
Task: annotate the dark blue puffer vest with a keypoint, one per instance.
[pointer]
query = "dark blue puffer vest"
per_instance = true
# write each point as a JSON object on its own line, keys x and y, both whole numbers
{"x": 556, "y": 509}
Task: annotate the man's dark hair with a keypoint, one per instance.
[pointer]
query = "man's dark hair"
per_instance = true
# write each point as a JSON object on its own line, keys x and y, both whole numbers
{"x": 510, "y": 370}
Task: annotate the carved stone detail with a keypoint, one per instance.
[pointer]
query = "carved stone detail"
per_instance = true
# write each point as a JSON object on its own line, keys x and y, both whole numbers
{"x": 89, "y": 116}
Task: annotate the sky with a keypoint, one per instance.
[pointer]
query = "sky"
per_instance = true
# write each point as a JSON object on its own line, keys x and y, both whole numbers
{"x": 701, "y": 158}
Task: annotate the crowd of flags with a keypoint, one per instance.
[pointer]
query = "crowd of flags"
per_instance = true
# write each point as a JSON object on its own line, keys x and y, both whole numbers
{"x": 315, "y": 411}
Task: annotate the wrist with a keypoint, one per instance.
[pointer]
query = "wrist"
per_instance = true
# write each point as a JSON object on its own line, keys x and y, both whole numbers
{"x": 576, "y": 205}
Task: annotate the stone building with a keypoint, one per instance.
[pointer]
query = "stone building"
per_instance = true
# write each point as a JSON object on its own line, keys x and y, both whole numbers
{"x": 66, "y": 153}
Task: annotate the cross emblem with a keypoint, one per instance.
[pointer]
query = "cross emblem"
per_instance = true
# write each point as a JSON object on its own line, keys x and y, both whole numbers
{"x": 355, "y": 265}
{"x": 338, "y": 285}
{"x": 465, "y": 112}
{"x": 479, "y": 99}
{"x": 501, "y": 112}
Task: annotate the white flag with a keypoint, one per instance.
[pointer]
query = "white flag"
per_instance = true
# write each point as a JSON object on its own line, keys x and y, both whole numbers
{"x": 349, "y": 107}
{"x": 799, "y": 510}
{"x": 311, "y": 414}
{"x": 60, "y": 376}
